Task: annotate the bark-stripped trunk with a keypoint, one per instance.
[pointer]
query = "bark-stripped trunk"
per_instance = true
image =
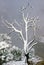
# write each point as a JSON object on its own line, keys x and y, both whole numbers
{"x": 27, "y": 58}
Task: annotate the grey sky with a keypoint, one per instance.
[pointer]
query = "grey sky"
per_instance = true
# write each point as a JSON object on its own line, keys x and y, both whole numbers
{"x": 10, "y": 9}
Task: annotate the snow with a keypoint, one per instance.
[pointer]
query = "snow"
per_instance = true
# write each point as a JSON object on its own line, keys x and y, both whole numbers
{"x": 15, "y": 63}
{"x": 34, "y": 60}
{"x": 3, "y": 44}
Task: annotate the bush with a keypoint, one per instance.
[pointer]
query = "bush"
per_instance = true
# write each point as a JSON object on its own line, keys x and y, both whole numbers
{"x": 7, "y": 51}
{"x": 9, "y": 54}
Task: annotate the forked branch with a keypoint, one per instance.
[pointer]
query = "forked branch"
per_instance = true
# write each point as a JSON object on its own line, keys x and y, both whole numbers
{"x": 11, "y": 26}
{"x": 31, "y": 47}
{"x": 30, "y": 42}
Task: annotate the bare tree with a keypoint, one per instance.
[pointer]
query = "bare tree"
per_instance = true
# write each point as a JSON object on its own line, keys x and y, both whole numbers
{"x": 27, "y": 45}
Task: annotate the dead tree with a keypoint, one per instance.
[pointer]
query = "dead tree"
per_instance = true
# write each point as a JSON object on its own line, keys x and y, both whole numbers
{"x": 25, "y": 41}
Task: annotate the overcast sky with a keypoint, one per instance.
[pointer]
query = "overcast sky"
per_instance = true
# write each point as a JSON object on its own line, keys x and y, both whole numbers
{"x": 10, "y": 10}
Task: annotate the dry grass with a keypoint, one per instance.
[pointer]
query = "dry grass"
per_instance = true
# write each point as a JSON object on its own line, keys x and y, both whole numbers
{"x": 40, "y": 63}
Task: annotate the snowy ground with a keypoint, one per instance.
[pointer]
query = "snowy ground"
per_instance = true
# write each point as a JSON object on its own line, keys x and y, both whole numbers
{"x": 15, "y": 63}
{"x": 34, "y": 59}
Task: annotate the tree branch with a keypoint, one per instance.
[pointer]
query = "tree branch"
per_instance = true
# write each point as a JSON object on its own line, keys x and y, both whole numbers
{"x": 24, "y": 18}
{"x": 24, "y": 8}
{"x": 11, "y": 26}
{"x": 17, "y": 23}
{"x": 6, "y": 24}
{"x": 31, "y": 46}
{"x": 30, "y": 42}
{"x": 29, "y": 26}
{"x": 10, "y": 32}
{"x": 32, "y": 19}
